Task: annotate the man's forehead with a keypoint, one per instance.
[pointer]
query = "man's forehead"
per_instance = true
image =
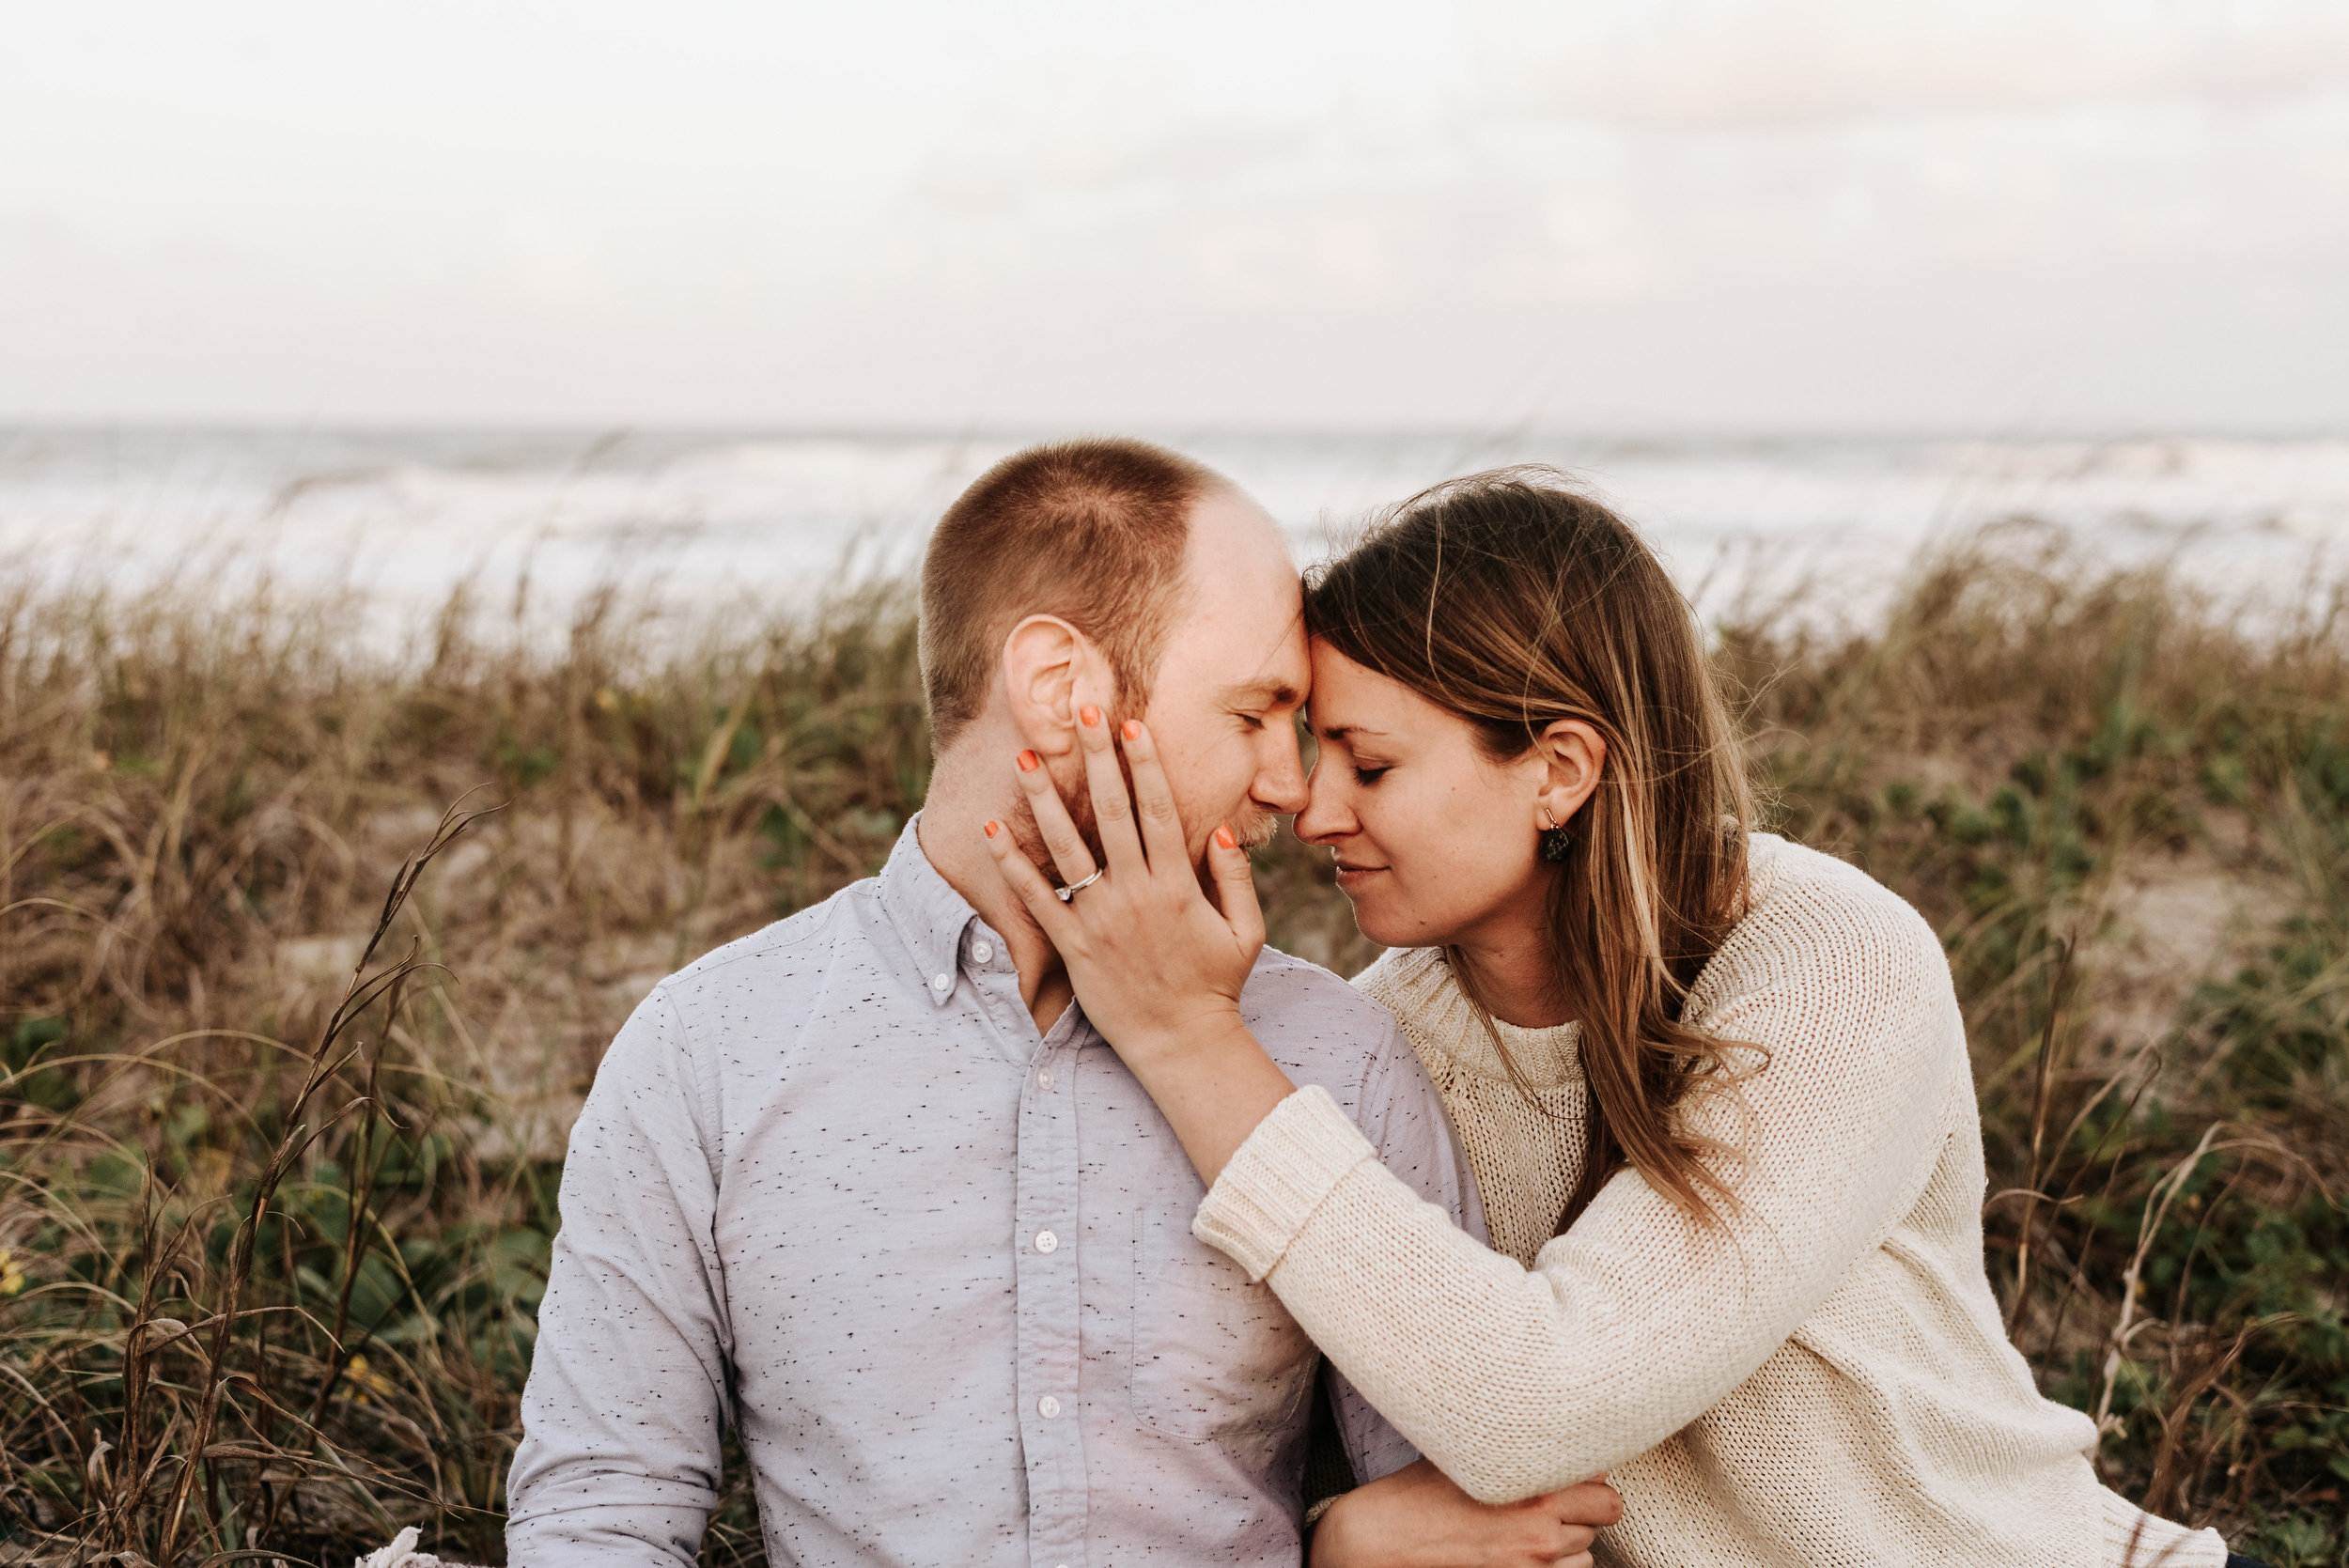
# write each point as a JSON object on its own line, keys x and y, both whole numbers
{"x": 1241, "y": 615}
{"x": 1238, "y": 666}
{"x": 1236, "y": 551}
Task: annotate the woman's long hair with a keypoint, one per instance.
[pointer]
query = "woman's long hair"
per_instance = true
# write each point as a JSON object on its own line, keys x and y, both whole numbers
{"x": 1511, "y": 599}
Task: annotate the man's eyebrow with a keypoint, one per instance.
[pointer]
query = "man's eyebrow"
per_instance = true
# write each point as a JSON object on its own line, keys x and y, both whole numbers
{"x": 1263, "y": 694}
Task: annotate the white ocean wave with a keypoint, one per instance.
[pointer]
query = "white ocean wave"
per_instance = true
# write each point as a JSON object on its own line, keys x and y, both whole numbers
{"x": 695, "y": 520}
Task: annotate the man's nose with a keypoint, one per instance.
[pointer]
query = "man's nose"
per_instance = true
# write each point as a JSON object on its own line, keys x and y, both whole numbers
{"x": 1281, "y": 782}
{"x": 1324, "y": 815}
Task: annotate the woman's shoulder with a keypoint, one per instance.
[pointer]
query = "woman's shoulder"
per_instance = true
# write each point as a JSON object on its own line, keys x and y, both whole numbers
{"x": 1777, "y": 864}
{"x": 1416, "y": 985}
{"x": 1811, "y": 918}
{"x": 1406, "y": 981}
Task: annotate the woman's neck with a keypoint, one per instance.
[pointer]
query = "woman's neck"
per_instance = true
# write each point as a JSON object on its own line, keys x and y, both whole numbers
{"x": 1515, "y": 976}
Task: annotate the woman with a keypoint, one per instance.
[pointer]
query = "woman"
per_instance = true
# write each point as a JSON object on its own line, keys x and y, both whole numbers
{"x": 1714, "y": 1085}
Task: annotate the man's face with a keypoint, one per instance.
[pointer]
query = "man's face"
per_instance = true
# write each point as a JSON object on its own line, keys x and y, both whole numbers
{"x": 1234, "y": 674}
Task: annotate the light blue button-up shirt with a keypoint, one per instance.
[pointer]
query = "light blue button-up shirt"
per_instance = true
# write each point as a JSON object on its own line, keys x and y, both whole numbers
{"x": 830, "y": 1183}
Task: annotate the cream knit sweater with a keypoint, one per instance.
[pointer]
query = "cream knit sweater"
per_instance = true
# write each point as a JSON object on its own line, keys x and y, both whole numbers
{"x": 1829, "y": 1384}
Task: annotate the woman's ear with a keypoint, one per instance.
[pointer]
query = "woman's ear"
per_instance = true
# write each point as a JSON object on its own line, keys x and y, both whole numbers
{"x": 1048, "y": 673}
{"x": 1573, "y": 754}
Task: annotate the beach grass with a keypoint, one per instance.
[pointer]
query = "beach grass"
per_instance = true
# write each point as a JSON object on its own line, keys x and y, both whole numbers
{"x": 308, "y": 951}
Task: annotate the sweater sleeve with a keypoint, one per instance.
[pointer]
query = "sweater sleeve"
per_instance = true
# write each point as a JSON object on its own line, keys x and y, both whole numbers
{"x": 1634, "y": 1322}
{"x": 622, "y": 1415}
{"x": 1402, "y": 1116}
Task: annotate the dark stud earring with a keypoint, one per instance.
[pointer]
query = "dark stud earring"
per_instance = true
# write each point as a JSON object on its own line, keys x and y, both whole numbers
{"x": 1556, "y": 845}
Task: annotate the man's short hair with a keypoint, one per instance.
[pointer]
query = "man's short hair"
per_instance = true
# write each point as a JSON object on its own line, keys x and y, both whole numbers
{"x": 1091, "y": 531}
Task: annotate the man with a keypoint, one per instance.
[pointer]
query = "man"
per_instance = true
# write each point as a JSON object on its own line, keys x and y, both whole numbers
{"x": 866, "y": 1183}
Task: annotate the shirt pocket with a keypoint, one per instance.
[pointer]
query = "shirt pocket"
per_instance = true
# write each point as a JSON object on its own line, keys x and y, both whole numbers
{"x": 1216, "y": 1356}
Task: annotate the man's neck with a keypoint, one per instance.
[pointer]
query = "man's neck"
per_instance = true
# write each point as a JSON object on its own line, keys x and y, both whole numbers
{"x": 952, "y": 835}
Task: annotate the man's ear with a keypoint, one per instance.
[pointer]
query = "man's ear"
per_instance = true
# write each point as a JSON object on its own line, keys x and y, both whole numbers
{"x": 1049, "y": 671}
{"x": 1573, "y": 755}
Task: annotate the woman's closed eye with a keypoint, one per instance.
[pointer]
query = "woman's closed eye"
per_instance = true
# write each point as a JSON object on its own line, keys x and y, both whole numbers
{"x": 1366, "y": 774}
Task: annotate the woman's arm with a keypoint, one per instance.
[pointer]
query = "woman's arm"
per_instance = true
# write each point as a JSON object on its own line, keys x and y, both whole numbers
{"x": 1636, "y": 1321}
{"x": 1516, "y": 1382}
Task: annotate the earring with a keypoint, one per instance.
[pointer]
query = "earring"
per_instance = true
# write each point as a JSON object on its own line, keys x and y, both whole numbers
{"x": 1556, "y": 845}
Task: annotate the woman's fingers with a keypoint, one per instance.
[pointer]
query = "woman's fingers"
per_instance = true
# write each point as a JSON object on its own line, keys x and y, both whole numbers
{"x": 1029, "y": 883}
{"x": 1236, "y": 888}
{"x": 1592, "y": 1502}
{"x": 1068, "y": 847}
{"x": 1113, "y": 813}
{"x": 1154, "y": 801}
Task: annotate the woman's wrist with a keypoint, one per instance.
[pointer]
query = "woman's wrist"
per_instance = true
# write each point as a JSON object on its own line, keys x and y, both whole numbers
{"x": 1213, "y": 1082}
{"x": 1198, "y": 1041}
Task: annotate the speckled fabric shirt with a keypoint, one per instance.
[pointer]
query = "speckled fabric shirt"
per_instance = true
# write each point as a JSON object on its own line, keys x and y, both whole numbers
{"x": 938, "y": 1269}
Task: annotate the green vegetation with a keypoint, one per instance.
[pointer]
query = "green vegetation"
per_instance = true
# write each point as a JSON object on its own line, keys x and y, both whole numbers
{"x": 278, "y": 1154}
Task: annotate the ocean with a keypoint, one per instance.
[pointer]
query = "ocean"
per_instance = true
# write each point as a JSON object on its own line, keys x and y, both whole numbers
{"x": 710, "y": 521}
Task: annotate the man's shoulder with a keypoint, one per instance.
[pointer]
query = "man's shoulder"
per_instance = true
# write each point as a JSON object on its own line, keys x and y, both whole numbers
{"x": 1283, "y": 978}
{"x": 1326, "y": 1032}
{"x": 1298, "y": 1009}
{"x": 797, "y": 948}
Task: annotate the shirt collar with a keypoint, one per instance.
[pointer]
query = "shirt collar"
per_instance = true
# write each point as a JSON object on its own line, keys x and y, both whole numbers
{"x": 929, "y": 915}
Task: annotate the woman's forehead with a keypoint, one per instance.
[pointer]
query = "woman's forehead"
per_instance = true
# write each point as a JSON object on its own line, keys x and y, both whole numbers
{"x": 1349, "y": 699}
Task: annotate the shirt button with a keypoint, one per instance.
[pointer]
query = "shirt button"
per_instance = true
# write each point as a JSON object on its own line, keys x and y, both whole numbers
{"x": 982, "y": 953}
{"x": 1046, "y": 1242}
{"x": 943, "y": 982}
{"x": 1047, "y": 1408}
{"x": 1044, "y": 1078}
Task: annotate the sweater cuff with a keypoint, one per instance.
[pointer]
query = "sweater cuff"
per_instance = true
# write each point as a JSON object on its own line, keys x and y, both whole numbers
{"x": 2135, "y": 1538}
{"x": 1276, "y": 1180}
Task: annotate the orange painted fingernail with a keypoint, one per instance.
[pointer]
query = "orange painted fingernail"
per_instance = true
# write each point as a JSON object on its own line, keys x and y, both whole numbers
{"x": 1030, "y": 762}
{"x": 1089, "y": 716}
{"x": 1224, "y": 836}
{"x": 1133, "y": 729}
{"x": 994, "y": 828}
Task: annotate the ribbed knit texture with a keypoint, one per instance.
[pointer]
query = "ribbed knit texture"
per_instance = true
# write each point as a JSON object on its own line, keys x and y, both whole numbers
{"x": 1829, "y": 1384}
{"x": 1524, "y": 1134}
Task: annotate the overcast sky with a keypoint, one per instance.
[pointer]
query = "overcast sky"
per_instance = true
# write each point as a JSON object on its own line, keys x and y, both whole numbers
{"x": 2014, "y": 216}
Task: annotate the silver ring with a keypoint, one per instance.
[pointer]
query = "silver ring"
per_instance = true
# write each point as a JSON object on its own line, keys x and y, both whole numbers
{"x": 1073, "y": 888}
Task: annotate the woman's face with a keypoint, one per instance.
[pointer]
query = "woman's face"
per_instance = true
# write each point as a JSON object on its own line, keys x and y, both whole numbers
{"x": 1435, "y": 843}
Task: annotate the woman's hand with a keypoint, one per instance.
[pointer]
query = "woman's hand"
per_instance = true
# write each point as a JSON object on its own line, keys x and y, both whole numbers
{"x": 1154, "y": 964}
{"x": 1416, "y": 1518}
{"x": 1159, "y": 969}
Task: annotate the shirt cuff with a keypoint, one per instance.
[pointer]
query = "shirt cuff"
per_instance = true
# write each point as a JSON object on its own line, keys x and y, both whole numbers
{"x": 1272, "y": 1185}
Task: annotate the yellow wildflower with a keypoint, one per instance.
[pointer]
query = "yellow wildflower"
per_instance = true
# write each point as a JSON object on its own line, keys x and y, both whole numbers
{"x": 365, "y": 1380}
{"x": 11, "y": 1277}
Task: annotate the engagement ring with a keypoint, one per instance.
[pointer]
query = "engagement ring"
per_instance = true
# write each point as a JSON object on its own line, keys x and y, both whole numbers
{"x": 1073, "y": 888}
